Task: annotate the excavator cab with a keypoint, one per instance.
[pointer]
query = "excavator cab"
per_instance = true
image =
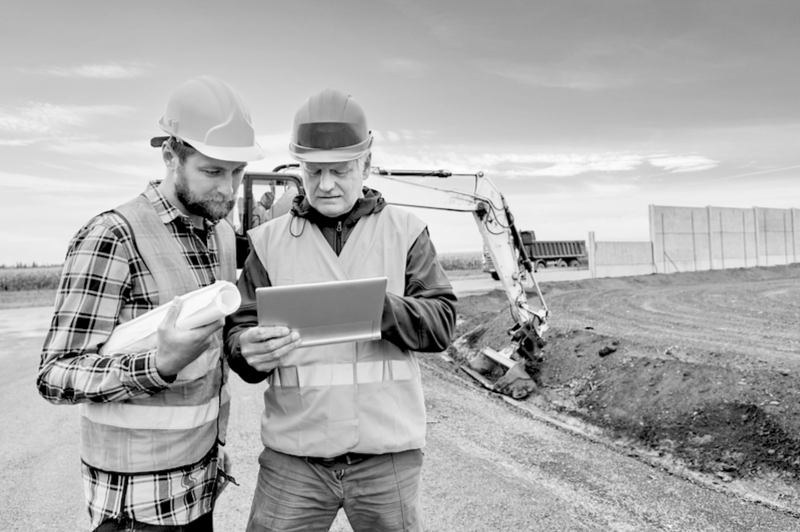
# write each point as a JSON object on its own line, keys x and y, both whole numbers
{"x": 263, "y": 196}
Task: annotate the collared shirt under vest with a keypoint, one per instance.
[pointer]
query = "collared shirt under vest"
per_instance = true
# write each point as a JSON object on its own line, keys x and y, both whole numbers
{"x": 178, "y": 426}
{"x": 363, "y": 397}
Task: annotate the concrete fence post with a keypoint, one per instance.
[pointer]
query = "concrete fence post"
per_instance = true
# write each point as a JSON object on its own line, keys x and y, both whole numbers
{"x": 744, "y": 237}
{"x": 653, "y": 233}
{"x": 710, "y": 239}
{"x": 785, "y": 244}
{"x": 794, "y": 237}
{"x": 694, "y": 244}
{"x": 591, "y": 250}
{"x": 755, "y": 231}
{"x": 721, "y": 241}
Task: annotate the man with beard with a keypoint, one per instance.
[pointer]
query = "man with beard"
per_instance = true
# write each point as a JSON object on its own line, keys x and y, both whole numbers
{"x": 153, "y": 421}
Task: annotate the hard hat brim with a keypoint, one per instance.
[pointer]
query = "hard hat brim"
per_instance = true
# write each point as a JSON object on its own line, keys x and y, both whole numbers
{"x": 334, "y": 155}
{"x": 236, "y": 154}
{"x": 245, "y": 153}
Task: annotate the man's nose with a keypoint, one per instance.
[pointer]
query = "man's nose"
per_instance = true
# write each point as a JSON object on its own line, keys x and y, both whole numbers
{"x": 326, "y": 181}
{"x": 227, "y": 184}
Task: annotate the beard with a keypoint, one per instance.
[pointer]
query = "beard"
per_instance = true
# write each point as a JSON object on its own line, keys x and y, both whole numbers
{"x": 212, "y": 207}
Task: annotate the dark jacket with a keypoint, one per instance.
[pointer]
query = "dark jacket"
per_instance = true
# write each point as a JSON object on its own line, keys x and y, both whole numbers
{"x": 422, "y": 320}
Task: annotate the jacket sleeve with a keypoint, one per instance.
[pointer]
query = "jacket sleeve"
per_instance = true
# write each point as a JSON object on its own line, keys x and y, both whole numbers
{"x": 253, "y": 276}
{"x": 95, "y": 283}
{"x": 424, "y": 318}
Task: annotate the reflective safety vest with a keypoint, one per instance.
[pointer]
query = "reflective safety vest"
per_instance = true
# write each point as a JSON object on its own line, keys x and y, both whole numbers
{"x": 363, "y": 397}
{"x": 180, "y": 425}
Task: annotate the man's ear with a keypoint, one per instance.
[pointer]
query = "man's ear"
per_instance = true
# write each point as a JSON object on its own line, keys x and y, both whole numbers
{"x": 367, "y": 165}
{"x": 169, "y": 157}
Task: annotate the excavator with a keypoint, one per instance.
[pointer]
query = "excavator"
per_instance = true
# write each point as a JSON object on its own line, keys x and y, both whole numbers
{"x": 268, "y": 194}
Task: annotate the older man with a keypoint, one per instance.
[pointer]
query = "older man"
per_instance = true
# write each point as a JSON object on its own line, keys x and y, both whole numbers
{"x": 352, "y": 439}
{"x": 153, "y": 420}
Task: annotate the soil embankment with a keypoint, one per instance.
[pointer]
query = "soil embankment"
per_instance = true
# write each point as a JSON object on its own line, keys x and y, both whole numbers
{"x": 696, "y": 368}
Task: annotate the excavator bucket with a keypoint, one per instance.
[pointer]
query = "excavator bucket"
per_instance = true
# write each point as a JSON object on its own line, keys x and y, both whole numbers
{"x": 516, "y": 364}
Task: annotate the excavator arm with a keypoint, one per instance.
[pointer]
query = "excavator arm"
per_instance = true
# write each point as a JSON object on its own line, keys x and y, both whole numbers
{"x": 502, "y": 239}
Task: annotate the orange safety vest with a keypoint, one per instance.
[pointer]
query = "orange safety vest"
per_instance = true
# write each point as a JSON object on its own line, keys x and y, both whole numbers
{"x": 180, "y": 425}
{"x": 363, "y": 397}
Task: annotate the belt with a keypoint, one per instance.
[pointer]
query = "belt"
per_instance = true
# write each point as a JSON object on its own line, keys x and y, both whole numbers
{"x": 342, "y": 459}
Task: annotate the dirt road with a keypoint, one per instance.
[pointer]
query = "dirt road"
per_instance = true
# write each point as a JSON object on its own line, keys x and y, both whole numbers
{"x": 488, "y": 465}
{"x": 752, "y": 315}
{"x": 696, "y": 369}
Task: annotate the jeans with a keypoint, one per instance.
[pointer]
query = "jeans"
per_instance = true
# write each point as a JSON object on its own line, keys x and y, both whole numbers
{"x": 380, "y": 494}
{"x": 202, "y": 524}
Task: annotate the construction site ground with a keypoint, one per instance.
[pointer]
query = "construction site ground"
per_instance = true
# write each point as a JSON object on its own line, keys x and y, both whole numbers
{"x": 694, "y": 371}
{"x": 598, "y": 448}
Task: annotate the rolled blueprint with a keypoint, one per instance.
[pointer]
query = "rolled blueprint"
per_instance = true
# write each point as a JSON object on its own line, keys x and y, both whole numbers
{"x": 200, "y": 307}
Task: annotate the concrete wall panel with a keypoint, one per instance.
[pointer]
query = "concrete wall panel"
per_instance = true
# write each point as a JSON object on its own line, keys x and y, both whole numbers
{"x": 679, "y": 219}
{"x": 624, "y": 270}
{"x": 624, "y": 253}
{"x": 723, "y": 237}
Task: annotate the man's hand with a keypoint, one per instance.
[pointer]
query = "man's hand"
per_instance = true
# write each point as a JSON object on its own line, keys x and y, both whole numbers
{"x": 177, "y": 348}
{"x": 263, "y": 347}
{"x": 224, "y": 472}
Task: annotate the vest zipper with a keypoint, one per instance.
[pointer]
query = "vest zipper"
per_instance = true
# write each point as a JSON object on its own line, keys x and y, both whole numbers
{"x": 338, "y": 238}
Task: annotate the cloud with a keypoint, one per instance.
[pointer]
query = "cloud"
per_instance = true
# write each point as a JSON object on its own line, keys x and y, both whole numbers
{"x": 274, "y": 142}
{"x": 84, "y": 146}
{"x": 104, "y": 71}
{"x": 17, "y": 142}
{"x": 47, "y": 118}
{"x": 148, "y": 172}
{"x": 560, "y": 76}
{"x": 404, "y": 67}
{"x": 405, "y": 135}
{"x": 683, "y": 163}
{"x": 510, "y": 165}
{"x": 570, "y": 165}
{"x": 38, "y": 184}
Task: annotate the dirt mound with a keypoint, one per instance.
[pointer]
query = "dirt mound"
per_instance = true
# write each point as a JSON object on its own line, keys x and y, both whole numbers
{"x": 695, "y": 402}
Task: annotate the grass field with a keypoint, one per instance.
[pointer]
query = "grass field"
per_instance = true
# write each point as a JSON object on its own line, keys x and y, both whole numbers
{"x": 33, "y": 278}
{"x": 36, "y": 286}
{"x": 470, "y": 260}
{"x": 27, "y": 298}
{"x": 28, "y": 287}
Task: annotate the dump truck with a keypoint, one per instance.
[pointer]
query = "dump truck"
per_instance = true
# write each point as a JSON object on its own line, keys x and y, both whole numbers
{"x": 546, "y": 254}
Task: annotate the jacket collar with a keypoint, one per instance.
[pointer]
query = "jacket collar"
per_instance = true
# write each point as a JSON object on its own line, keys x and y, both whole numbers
{"x": 371, "y": 203}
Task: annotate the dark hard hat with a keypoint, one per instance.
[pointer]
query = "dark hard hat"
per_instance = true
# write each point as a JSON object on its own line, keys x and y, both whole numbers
{"x": 329, "y": 127}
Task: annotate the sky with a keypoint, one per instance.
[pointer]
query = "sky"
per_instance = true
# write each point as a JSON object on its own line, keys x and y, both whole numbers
{"x": 582, "y": 113}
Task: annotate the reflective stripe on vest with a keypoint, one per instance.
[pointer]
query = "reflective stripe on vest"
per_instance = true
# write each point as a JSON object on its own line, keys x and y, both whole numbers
{"x": 142, "y": 416}
{"x": 361, "y": 397}
{"x": 342, "y": 374}
{"x": 177, "y": 426}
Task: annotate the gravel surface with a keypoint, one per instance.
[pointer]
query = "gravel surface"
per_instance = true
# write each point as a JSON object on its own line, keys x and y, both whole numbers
{"x": 488, "y": 465}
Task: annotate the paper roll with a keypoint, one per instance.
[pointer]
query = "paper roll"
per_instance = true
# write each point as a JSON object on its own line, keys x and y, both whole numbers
{"x": 224, "y": 302}
{"x": 200, "y": 307}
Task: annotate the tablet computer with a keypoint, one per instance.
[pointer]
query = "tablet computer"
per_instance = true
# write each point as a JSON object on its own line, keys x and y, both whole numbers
{"x": 328, "y": 312}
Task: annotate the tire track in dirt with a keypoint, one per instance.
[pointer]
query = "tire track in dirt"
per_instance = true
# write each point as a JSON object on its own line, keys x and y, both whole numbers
{"x": 697, "y": 367}
{"x": 755, "y": 322}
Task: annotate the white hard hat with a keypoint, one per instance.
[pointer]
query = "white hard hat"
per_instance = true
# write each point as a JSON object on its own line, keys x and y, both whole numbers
{"x": 212, "y": 117}
{"x": 329, "y": 127}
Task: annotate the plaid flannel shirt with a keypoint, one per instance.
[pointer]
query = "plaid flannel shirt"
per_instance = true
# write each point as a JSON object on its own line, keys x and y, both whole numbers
{"x": 101, "y": 275}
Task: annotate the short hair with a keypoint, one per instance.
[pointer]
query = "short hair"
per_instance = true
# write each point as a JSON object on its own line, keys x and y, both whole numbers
{"x": 182, "y": 149}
